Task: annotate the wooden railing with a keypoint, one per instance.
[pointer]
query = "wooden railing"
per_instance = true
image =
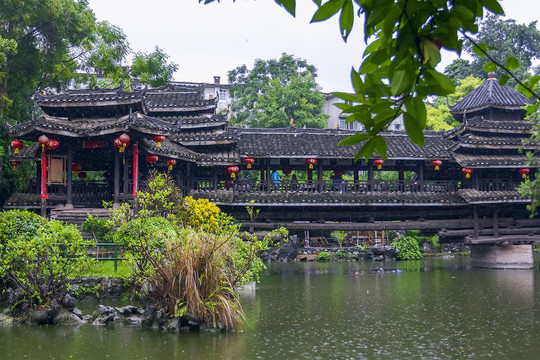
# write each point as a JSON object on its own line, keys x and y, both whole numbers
{"x": 498, "y": 185}
{"x": 346, "y": 186}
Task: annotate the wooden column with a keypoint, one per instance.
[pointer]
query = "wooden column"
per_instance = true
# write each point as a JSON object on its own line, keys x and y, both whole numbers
{"x": 215, "y": 181}
{"x": 126, "y": 176}
{"x": 178, "y": 175}
{"x": 268, "y": 177}
{"x": 475, "y": 222}
{"x": 421, "y": 176}
{"x": 44, "y": 195}
{"x": 116, "y": 177}
{"x": 189, "y": 180}
{"x": 370, "y": 176}
{"x": 355, "y": 176}
{"x": 69, "y": 179}
{"x": 496, "y": 223}
{"x": 320, "y": 180}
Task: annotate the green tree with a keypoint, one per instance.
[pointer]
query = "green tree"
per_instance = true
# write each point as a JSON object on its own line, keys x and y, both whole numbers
{"x": 153, "y": 68}
{"x": 507, "y": 38}
{"x": 438, "y": 114}
{"x": 275, "y": 92}
{"x": 404, "y": 39}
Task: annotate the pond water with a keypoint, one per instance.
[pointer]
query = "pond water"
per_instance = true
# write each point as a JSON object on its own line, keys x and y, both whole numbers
{"x": 434, "y": 309}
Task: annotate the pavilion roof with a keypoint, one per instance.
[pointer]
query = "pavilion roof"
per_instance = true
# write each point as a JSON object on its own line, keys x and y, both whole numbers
{"x": 473, "y": 196}
{"x": 492, "y": 161}
{"x": 178, "y": 99}
{"x": 323, "y": 143}
{"x": 475, "y": 141}
{"x": 171, "y": 150}
{"x": 199, "y": 121}
{"x": 491, "y": 94}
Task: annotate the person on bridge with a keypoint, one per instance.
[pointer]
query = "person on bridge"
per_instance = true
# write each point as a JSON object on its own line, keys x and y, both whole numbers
{"x": 275, "y": 179}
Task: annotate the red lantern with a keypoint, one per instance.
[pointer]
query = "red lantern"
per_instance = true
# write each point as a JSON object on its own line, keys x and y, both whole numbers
{"x": 379, "y": 163}
{"x": 119, "y": 145}
{"x": 52, "y": 144}
{"x": 158, "y": 139}
{"x": 124, "y": 141}
{"x": 14, "y": 164}
{"x": 152, "y": 159}
{"x": 16, "y": 144}
{"x": 467, "y": 172}
{"x": 249, "y": 161}
{"x": 82, "y": 175}
{"x": 524, "y": 172}
{"x": 436, "y": 163}
{"x": 170, "y": 163}
{"x": 233, "y": 170}
{"x": 76, "y": 167}
{"x": 43, "y": 141}
{"x": 311, "y": 162}
{"x": 286, "y": 172}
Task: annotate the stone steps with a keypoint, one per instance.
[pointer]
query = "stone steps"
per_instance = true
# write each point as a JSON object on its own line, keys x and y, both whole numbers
{"x": 77, "y": 216}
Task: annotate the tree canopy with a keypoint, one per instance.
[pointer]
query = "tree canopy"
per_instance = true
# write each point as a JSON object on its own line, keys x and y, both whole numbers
{"x": 153, "y": 68}
{"x": 275, "y": 92}
{"x": 506, "y": 39}
{"x": 398, "y": 70}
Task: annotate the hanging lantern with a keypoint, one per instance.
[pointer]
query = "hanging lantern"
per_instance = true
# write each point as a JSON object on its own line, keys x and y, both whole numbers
{"x": 249, "y": 161}
{"x": 152, "y": 159}
{"x": 43, "y": 141}
{"x": 52, "y": 144}
{"x": 233, "y": 170}
{"x": 379, "y": 163}
{"x": 170, "y": 163}
{"x": 158, "y": 139}
{"x": 467, "y": 172}
{"x": 340, "y": 172}
{"x": 119, "y": 145}
{"x": 82, "y": 175}
{"x": 75, "y": 167}
{"x": 124, "y": 142}
{"x": 437, "y": 164}
{"x": 14, "y": 164}
{"x": 311, "y": 162}
{"x": 524, "y": 172}
{"x": 286, "y": 172}
{"x": 16, "y": 144}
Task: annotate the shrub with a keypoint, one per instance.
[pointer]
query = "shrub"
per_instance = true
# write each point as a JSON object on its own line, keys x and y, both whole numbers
{"x": 339, "y": 236}
{"x": 39, "y": 264}
{"x": 19, "y": 224}
{"x": 408, "y": 246}
{"x": 101, "y": 229}
{"x": 323, "y": 256}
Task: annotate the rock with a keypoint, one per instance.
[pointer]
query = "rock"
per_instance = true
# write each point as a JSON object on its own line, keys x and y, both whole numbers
{"x": 40, "y": 317}
{"x": 173, "y": 324}
{"x": 69, "y": 302}
{"x": 387, "y": 252}
{"x": 149, "y": 316}
{"x": 128, "y": 310}
{"x": 77, "y": 312}
{"x": 64, "y": 317}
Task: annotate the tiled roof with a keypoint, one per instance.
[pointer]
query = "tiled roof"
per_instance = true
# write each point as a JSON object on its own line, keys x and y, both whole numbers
{"x": 494, "y": 142}
{"x": 26, "y": 153}
{"x": 473, "y": 196}
{"x": 73, "y": 128}
{"x": 330, "y": 199}
{"x": 196, "y": 121}
{"x": 323, "y": 143}
{"x": 201, "y": 138}
{"x": 491, "y": 94}
{"x": 90, "y": 97}
{"x": 171, "y": 150}
{"x": 491, "y": 161}
{"x": 178, "y": 99}
{"x": 223, "y": 157}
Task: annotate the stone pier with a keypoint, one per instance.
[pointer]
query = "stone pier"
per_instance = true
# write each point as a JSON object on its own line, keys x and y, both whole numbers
{"x": 498, "y": 256}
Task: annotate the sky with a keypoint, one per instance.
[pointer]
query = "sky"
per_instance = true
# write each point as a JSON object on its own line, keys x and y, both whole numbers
{"x": 209, "y": 40}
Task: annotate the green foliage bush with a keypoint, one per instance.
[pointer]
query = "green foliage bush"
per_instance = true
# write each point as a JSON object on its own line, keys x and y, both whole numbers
{"x": 186, "y": 255}
{"x": 323, "y": 256}
{"x": 39, "y": 259}
{"x": 101, "y": 229}
{"x": 408, "y": 246}
{"x": 20, "y": 224}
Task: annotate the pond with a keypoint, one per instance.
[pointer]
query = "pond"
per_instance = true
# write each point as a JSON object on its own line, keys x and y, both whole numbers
{"x": 437, "y": 308}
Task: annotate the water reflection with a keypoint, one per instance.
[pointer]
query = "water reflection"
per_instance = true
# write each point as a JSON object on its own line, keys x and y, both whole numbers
{"x": 437, "y": 308}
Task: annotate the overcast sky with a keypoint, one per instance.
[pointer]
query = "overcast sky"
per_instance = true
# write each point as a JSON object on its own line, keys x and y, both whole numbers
{"x": 208, "y": 40}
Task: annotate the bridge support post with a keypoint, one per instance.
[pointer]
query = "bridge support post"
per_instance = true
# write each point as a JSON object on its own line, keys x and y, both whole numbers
{"x": 502, "y": 256}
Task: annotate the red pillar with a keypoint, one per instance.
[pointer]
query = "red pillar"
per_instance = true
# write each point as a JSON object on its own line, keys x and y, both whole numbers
{"x": 135, "y": 169}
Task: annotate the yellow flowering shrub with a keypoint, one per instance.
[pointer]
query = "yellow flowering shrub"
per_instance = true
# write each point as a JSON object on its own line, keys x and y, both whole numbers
{"x": 205, "y": 215}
